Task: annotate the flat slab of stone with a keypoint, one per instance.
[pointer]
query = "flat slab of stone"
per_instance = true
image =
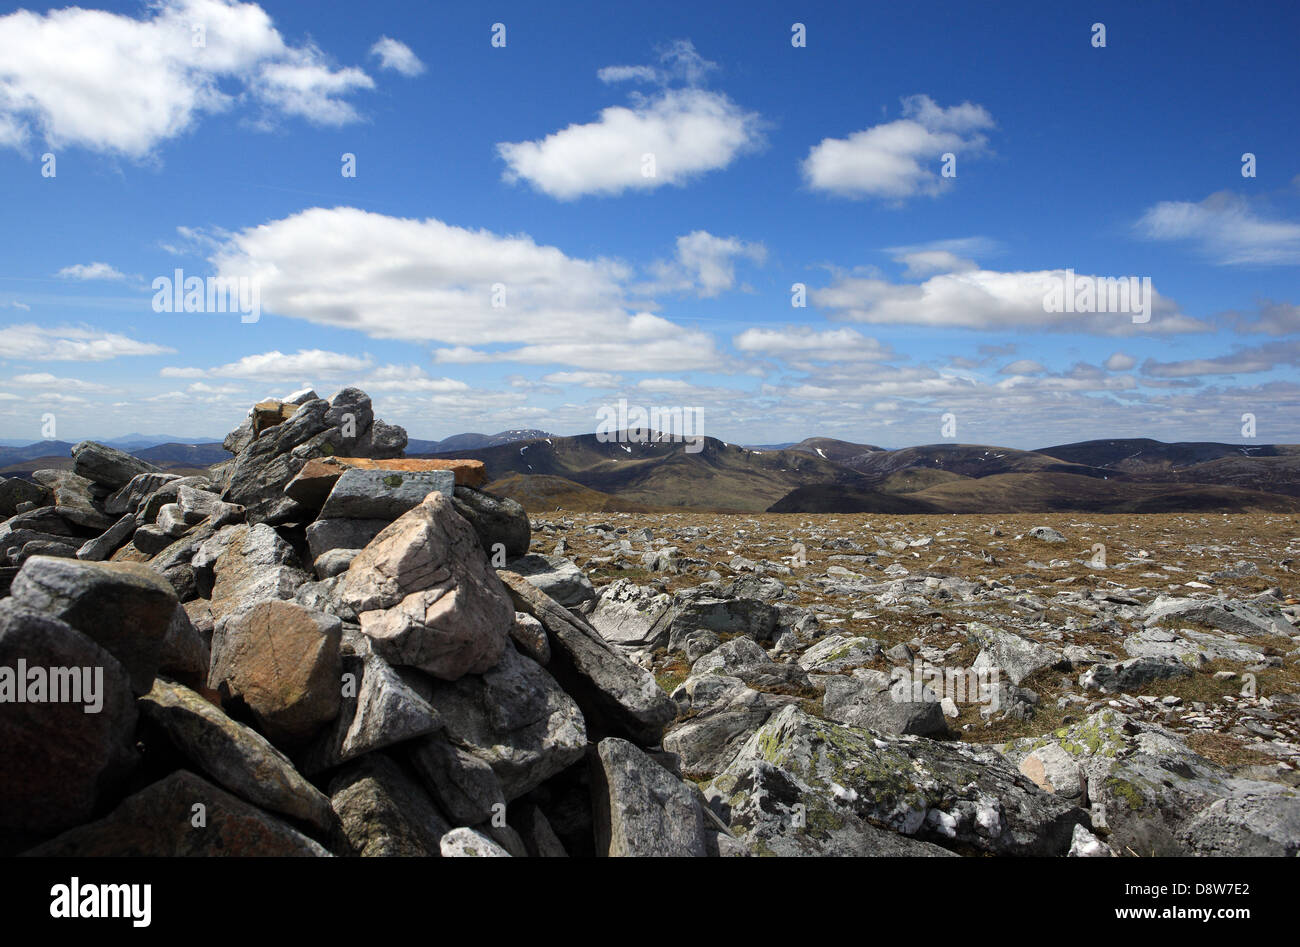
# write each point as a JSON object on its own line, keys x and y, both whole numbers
{"x": 315, "y": 481}
{"x": 384, "y": 494}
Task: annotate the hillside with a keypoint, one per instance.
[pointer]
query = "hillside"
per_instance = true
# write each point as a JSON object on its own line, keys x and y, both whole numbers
{"x": 665, "y": 473}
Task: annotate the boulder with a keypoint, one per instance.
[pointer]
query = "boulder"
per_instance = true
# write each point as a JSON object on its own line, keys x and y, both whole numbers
{"x": 515, "y": 718}
{"x": 15, "y": 490}
{"x": 324, "y": 535}
{"x": 871, "y": 699}
{"x": 1010, "y": 653}
{"x": 383, "y": 494}
{"x": 65, "y": 758}
{"x": 632, "y": 616}
{"x": 384, "y": 812}
{"x": 465, "y": 787}
{"x": 237, "y": 757}
{"x": 282, "y": 661}
{"x": 124, "y": 607}
{"x": 379, "y": 707}
{"x": 949, "y": 794}
{"x": 466, "y": 843}
{"x": 128, "y": 497}
{"x": 1126, "y": 677}
{"x": 427, "y": 597}
{"x": 107, "y": 466}
{"x": 497, "y": 521}
{"x": 558, "y": 577}
{"x": 159, "y": 822}
{"x": 641, "y": 809}
{"x": 617, "y": 698}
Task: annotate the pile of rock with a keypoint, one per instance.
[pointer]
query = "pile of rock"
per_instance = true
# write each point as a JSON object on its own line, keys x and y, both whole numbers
{"x": 324, "y": 648}
{"x": 311, "y": 651}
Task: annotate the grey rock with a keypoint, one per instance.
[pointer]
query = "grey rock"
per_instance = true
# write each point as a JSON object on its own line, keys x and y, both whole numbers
{"x": 464, "y": 786}
{"x": 107, "y": 543}
{"x": 616, "y": 697}
{"x": 1131, "y": 675}
{"x": 383, "y": 812}
{"x": 107, "y": 465}
{"x": 496, "y": 520}
{"x": 632, "y": 616}
{"x": 237, "y": 757}
{"x": 872, "y": 699}
{"x": 516, "y": 719}
{"x": 324, "y": 535}
{"x": 62, "y": 762}
{"x": 124, "y": 607}
{"x": 158, "y": 822}
{"x": 128, "y": 497}
{"x": 641, "y": 809}
{"x": 383, "y": 494}
{"x": 558, "y": 577}
{"x": 1010, "y": 653}
{"x": 954, "y": 795}
{"x": 467, "y": 843}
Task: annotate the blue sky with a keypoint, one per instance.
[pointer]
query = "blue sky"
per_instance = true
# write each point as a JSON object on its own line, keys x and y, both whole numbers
{"x": 521, "y": 168}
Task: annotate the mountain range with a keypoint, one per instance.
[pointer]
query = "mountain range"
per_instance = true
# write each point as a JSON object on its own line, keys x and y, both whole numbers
{"x": 821, "y": 475}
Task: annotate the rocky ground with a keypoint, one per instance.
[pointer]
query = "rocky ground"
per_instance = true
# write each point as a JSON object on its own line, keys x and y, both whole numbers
{"x": 320, "y": 648}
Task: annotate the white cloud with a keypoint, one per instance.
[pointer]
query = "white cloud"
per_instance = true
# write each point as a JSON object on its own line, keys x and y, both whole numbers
{"x": 117, "y": 84}
{"x": 71, "y": 344}
{"x": 1120, "y": 362}
{"x": 425, "y": 280}
{"x": 91, "y": 271}
{"x": 583, "y": 379}
{"x": 704, "y": 264}
{"x": 1261, "y": 358}
{"x": 1225, "y": 228}
{"x": 805, "y": 343}
{"x": 310, "y": 89}
{"x": 688, "y": 131}
{"x": 396, "y": 55}
{"x": 409, "y": 378}
{"x": 1024, "y": 366}
{"x": 1269, "y": 318}
{"x": 986, "y": 299}
{"x": 627, "y": 74}
{"x": 898, "y": 159}
{"x": 43, "y": 380}
{"x": 305, "y": 363}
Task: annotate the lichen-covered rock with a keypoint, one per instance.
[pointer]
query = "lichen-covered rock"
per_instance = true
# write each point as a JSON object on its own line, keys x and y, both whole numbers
{"x": 641, "y": 809}
{"x": 383, "y": 812}
{"x": 955, "y": 795}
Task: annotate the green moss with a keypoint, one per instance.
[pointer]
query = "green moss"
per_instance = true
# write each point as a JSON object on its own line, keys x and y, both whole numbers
{"x": 392, "y": 481}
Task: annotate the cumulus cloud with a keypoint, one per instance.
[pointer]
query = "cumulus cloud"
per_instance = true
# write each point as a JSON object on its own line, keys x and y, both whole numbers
{"x": 1269, "y": 318}
{"x": 899, "y": 159}
{"x": 305, "y": 363}
{"x": 807, "y": 344}
{"x": 91, "y": 271}
{"x": 119, "y": 84}
{"x": 1024, "y": 366}
{"x": 584, "y": 379}
{"x": 45, "y": 380}
{"x": 704, "y": 264}
{"x": 1244, "y": 361}
{"x": 426, "y": 280}
{"x": 988, "y": 300}
{"x": 1225, "y": 228}
{"x": 1120, "y": 362}
{"x": 687, "y": 131}
{"x": 71, "y": 343}
{"x": 396, "y": 55}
